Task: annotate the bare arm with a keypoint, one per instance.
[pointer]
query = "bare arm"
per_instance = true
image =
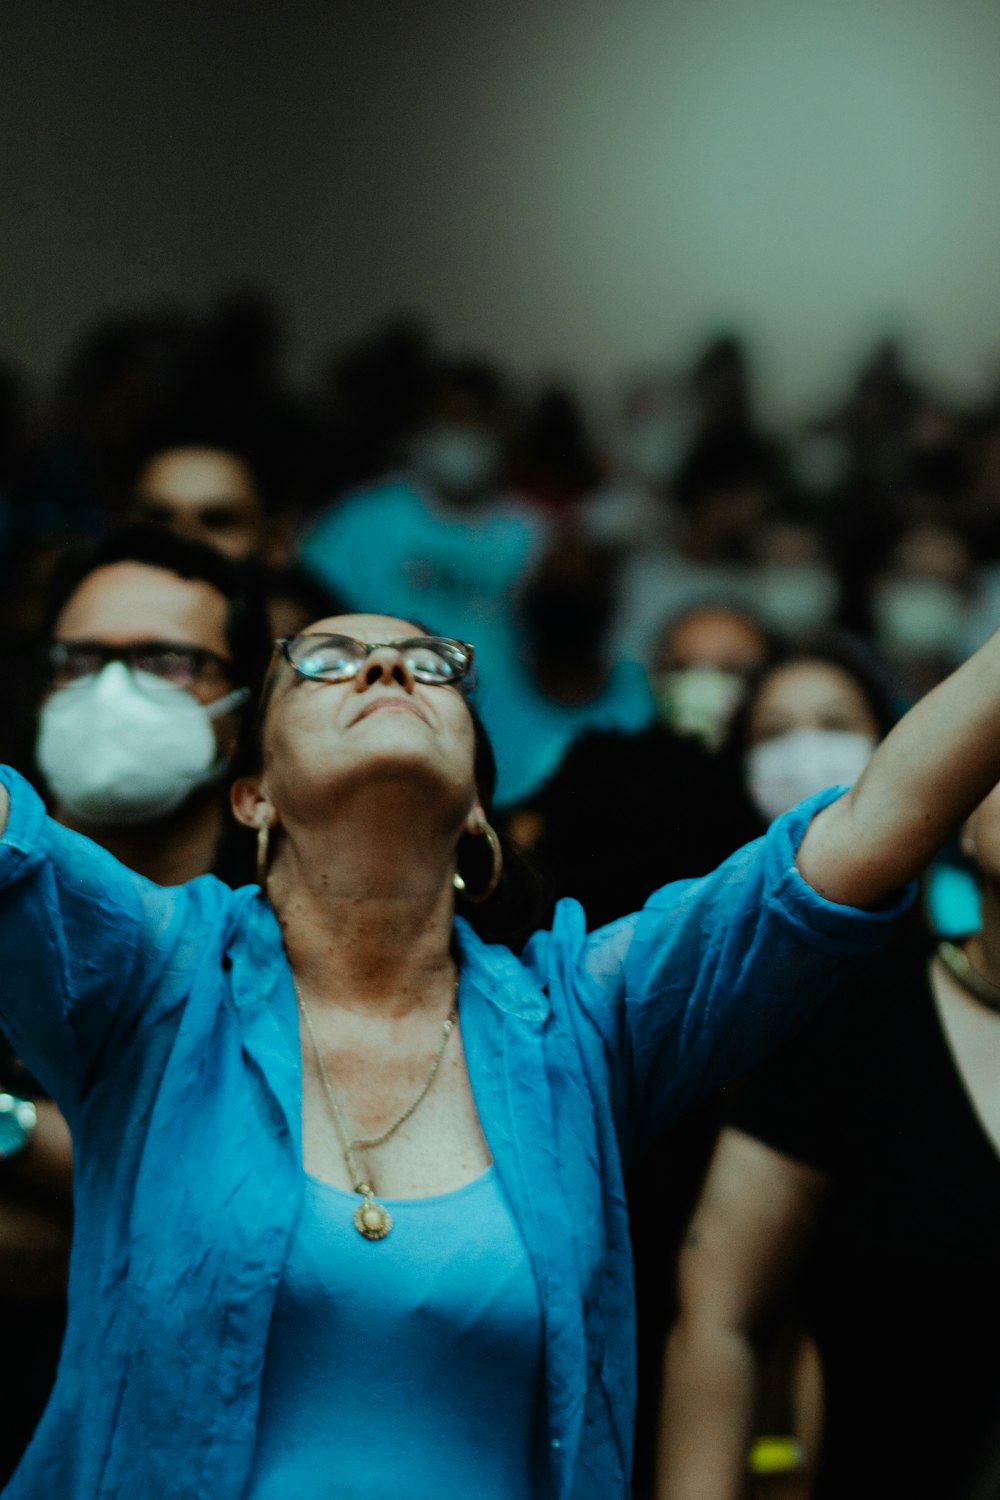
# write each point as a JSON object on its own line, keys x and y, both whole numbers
{"x": 755, "y": 1211}
{"x": 927, "y": 775}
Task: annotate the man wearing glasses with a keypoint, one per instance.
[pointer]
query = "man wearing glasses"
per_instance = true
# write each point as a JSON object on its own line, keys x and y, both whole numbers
{"x": 156, "y": 646}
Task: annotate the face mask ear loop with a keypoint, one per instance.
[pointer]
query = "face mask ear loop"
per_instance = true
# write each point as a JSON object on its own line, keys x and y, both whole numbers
{"x": 231, "y": 701}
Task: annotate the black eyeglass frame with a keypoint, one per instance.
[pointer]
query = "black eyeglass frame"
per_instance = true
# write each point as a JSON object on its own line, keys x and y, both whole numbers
{"x": 197, "y": 656}
{"x": 464, "y": 651}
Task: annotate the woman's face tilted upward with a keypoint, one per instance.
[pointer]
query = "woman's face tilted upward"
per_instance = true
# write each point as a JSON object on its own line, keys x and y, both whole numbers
{"x": 383, "y": 729}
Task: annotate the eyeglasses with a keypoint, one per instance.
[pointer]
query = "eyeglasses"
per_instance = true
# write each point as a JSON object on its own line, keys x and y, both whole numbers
{"x": 70, "y": 661}
{"x": 434, "y": 659}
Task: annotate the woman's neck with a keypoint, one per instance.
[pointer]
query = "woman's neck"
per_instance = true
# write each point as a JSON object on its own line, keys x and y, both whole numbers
{"x": 367, "y": 921}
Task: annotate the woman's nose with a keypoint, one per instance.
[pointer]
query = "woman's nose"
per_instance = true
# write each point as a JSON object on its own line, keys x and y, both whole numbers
{"x": 385, "y": 664}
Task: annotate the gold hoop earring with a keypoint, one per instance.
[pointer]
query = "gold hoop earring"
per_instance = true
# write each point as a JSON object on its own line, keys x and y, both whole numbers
{"x": 496, "y": 854}
{"x": 263, "y": 840}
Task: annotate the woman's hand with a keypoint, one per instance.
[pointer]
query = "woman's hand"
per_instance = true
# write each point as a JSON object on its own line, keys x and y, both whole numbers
{"x": 939, "y": 762}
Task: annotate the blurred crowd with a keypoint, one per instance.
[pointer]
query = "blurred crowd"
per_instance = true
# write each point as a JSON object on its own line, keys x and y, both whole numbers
{"x": 561, "y": 540}
{"x": 683, "y": 623}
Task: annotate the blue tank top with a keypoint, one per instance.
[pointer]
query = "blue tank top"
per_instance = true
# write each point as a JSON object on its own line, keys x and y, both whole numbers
{"x": 409, "y": 1366}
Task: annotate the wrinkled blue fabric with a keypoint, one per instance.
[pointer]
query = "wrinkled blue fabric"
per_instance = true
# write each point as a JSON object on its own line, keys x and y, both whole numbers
{"x": 164, "y": 1023}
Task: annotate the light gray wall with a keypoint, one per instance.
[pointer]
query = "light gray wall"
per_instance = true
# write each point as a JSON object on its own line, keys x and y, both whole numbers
{"x": 585, "y": 185}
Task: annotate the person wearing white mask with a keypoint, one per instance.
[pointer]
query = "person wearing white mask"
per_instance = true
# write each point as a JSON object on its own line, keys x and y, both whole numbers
{"x": 702, "y": 662}
{"x": 811, "y": 720}
{"x": 440, "y": 539}
{"x": 796, "y": 587}
{"x": 155, "y": 647}
{"x": 923, "y": 604}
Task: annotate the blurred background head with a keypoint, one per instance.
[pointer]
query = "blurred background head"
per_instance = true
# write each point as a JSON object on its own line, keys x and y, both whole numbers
{"x": 457, "y": 449}
{"x": 811, "y": 719}
{"x": 205, "y": 493}
{"x": 702, "y": 664}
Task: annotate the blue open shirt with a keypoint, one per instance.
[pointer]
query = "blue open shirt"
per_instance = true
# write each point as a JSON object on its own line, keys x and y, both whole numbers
{"x": 164, "y": 1023}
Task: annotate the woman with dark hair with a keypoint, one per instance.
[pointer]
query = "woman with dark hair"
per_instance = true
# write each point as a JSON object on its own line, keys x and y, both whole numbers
{"x": 349, "y": 1195}
{"x": 811, "y": 718}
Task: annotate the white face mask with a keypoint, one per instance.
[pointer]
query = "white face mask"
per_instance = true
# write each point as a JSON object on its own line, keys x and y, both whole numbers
{"x": 796, "y": 596}
{"x": 783, "y": 770}
{"x": 920, "y": 616}
{"x": 122, "y": 747}
{"x": 699, "y": 701}
{"x": 457, "y": 459}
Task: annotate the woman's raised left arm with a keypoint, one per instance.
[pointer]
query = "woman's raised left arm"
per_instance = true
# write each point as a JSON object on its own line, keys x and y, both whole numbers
{"x": 927, "y": 775}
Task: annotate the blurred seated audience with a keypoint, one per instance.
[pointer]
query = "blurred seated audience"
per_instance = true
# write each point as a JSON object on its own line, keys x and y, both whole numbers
{"x": 441, "y": 540}
{"x": 795, "y": 585}
{"x": 553, "y": 462}
{"x": 565, "y": 680}
{"x": 374, "y": 392}
{"x": 633, "y": 508}
{"x": 119, "y": 379}
{"x": 923, "y": 605}
{"x": 724, "y": 495}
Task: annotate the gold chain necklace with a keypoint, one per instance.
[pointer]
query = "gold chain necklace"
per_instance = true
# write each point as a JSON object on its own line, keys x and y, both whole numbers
{"x": 372, "y": 1220}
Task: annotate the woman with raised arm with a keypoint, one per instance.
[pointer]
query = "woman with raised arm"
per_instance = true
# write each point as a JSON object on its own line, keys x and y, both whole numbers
{"x": 349, "y": 1202}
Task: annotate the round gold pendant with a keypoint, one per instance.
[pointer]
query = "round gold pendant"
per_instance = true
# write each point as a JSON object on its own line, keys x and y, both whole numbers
{"x": 371, "y": 1220}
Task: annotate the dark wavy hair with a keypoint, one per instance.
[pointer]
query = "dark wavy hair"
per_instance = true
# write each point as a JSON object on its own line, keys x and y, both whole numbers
{"x": 248, "y": 634}
{"x": 833, "y": 648}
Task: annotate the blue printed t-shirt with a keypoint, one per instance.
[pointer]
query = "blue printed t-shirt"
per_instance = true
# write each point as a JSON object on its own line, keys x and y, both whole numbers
{"x": 395, "y": 550}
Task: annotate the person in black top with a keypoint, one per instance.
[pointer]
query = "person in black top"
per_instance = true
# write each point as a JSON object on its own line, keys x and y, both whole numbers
{"x": 863, "y": 1159}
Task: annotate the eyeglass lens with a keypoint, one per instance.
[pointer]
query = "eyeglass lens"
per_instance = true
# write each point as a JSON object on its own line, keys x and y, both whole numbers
{"x": 70, "y": 661}
{"x": 334, "y": 658}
